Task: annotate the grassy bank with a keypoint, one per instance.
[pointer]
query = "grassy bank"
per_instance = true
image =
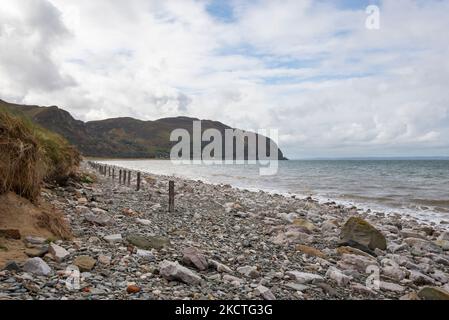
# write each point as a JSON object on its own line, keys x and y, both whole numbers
{"x": 30, "y": 155}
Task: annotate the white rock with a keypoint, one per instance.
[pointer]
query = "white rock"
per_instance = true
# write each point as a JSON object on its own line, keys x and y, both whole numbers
{"x": 338, "y": 276}
{"x": 288, "y": 217}
{"x": 144, "y": 222}
{"x": 114, "y": 238}
{"x": 37, "y": 266}
{"x": 174, "y": 271}
{"x": 99, "y": 211}
{"x": 58, "y": 253}
{"x": 146, "y": 254}
{"x": 296, "y": 286}
{"x": 303, "y": 277}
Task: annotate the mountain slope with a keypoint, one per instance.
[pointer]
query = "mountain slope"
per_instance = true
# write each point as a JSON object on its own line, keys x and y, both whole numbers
{"x": 115, "y": 138}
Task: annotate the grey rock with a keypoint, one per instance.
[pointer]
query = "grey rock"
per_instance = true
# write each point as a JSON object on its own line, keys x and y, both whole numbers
{"x": 194, "y": 257}
{"x": 37, "y": 266}
{"x": 174, "y": 271}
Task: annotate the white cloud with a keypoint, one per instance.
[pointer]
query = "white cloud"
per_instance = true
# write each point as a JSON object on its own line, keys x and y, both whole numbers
{"x": 309, "y": 68}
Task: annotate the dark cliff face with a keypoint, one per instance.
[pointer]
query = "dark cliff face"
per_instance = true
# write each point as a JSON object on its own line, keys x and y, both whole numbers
{"x": 115, "y": 138}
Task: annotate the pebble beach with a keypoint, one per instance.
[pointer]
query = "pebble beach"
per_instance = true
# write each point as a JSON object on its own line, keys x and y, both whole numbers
{"x": 224, "y": 243}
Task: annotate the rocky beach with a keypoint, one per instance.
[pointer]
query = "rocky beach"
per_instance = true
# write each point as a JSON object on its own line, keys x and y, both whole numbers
{"x": 224, "y": 243}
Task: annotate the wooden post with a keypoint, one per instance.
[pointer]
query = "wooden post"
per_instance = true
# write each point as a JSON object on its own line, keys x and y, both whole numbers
{"x": 120, "y": 176}
{"x": 113, "y": 173}
{"x": 138, "y": 181}
{"x": 129, "y": 178}
{"x": 124, "y": 176}
{"x": 171, "y": 196}
{"x": 109, "y": 171}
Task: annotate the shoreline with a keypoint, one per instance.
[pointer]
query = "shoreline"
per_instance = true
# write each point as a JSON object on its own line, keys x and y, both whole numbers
{"x": 223, "y": 243}
{"x": 426, "y": 217}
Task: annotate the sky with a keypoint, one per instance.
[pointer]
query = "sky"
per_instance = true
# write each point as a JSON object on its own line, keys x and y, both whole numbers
{"x": 310, "y": 69}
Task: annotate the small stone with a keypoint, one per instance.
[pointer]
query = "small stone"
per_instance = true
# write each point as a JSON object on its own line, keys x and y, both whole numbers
{"x": 350, "y": 250}
{"x": 409, "y": 233}
{"x": 234, "y": 280}
{"x": 444, "y": 244}
{"x": 265, "y": 293}
{"x": 113, "y": 238}
{"x": 361, "y": 289}
{"x": 146, "y": 254}
{"x": 143, "y": 222}
{"x": 104, "y": 259}
{"x": 249, "y": 271}
{"x": 422, "y": 246}
{"x": 304, "y": 224}
{"x": 338, "y": 276}
{"x": 194, "y": 257}
{"x": 296, "y": 286}
{"x": 420, "y": 279}
{"x": 82, "y": 201}
{"x": 355, "y": 262}
{"x": 394, "y": 272}
{"x": 310, "y": 251}
{"x": 37, "y": 266}
{"x": 132, "y": 289}
{"x": 101, "y": 220}
{"x": 58, "y": 253}
{"x": 220, "y": 267}
{"x": 36, "y": 252}
{"x": 303, "y": 277}
{"x": 35, "y": 240}
{"x": 444, "y": 236}
{"x": 389, "y": 286}
{"x": 152, "y": 242}
{"x": 174, "y": 271}
{"x": 84, "y": 263}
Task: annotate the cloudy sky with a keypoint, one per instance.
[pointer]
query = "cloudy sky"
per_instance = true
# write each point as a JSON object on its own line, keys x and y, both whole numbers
{"x": 310, "y": 69}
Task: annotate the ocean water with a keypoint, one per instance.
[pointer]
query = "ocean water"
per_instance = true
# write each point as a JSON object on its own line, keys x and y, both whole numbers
{"x": 416, "y": 187}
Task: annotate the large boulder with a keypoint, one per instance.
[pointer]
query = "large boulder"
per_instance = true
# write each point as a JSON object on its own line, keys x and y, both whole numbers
{"x": 358, "y": 233}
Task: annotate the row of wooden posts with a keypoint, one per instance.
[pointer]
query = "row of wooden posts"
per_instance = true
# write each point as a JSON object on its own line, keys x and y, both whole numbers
{"x": 124, "y": 176}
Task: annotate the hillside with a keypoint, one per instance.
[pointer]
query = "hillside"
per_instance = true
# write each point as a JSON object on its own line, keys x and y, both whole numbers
{"x": 115, "y": 138}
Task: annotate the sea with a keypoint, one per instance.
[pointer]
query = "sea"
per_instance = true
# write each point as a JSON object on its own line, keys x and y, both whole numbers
{"x": 419, "y": 188}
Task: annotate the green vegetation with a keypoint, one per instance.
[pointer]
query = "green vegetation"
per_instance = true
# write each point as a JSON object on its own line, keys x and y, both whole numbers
{"x": 30, "y": 155}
